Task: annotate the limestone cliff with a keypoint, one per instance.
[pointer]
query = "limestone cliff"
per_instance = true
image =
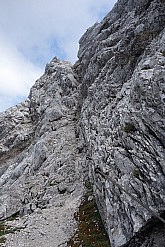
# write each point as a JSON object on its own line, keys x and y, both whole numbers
{"x": 103, "y": 116}
{"x": 41, "y": 166}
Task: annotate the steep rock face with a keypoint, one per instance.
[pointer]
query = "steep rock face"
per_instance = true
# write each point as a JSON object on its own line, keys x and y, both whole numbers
{"x": 41, "y": 166}
{"x": 122, "y": 69}
{"x": 105, "y": 114}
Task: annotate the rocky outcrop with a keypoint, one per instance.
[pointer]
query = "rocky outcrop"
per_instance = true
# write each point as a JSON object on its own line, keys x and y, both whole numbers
{"x": 41, "y": 165}
{"x": 105, "y": 116}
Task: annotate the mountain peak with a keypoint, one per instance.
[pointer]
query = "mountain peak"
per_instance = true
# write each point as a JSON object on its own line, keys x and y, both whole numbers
{"x": 99, "y": 120}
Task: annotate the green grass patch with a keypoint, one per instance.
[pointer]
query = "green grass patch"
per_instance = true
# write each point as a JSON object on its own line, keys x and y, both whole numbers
{"x": 91, "y": 232}
{"x": 6, "y": 229}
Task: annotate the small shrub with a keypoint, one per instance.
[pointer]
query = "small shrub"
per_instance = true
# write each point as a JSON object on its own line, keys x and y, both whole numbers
{"x": 163, "y": 53}
{"x": 88, "y": 185}
{"x": 6, "y": 229}
{"x": 137, "y": 174}
{"x": 129, "y": 127}
{"x": 2, "y": 240}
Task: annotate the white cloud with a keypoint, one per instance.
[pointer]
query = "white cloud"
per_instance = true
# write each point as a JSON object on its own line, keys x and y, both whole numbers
{"x": 16, "y": 74}
{"x": 33, "y": 31}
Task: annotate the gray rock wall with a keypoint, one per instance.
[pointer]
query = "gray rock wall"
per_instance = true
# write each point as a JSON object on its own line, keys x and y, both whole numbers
{"x": 122, "y": 68}
{"x": 39, "y": 151}
{"x": 103, "y": 116}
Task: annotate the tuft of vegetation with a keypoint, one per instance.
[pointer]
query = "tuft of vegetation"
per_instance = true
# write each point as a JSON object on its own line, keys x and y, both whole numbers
{"x": 6, "y": 229}
{"x": 129, "y": 127}
{"x": 137, "y": 174}
{"x": 2, "y": 241}
{"x": 3, "y": 230}
{"x": 91, "y": 232}
{"x": 88, "y": 185}
{"x": 163, "y": 53}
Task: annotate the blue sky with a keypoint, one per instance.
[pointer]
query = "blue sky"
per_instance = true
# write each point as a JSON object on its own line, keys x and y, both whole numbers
{"x": 32, "y": 32}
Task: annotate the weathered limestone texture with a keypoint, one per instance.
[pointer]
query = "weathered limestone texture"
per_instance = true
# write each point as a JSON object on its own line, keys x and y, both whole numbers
{"x": 104, "y": 116}
{"x": 121, "y": 67}
{"x": 41, "y": 166}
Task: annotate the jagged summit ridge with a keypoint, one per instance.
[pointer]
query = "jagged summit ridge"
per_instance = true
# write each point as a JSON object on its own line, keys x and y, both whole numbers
{"x": 103, "y": 116}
